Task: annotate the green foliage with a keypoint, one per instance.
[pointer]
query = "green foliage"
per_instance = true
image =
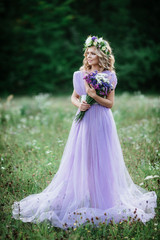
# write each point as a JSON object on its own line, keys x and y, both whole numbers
{"x": 42, "y": 42}
{"x": 34, "y": 132}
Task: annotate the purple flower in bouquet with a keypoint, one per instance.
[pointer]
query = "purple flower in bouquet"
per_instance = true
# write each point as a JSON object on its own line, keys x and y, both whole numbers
{"x": 100, "y": 82}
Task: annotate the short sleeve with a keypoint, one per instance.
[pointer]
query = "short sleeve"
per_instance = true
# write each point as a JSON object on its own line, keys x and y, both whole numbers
{"x": 78, "y": 83}
{"x": 113, "y": 80}
{"x": 74, "y": 80}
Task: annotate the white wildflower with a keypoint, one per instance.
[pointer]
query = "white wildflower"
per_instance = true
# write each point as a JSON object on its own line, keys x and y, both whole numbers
{"x": 151, "y": 177}
{"x": 137, "y": 147}
{"x": 23, "y": 120}
{"x": 37, "y": 147}
{"x": 7, "y": 117}
{"x": 47, "y": 152}
{"x": 34, "y": 142}
{"x": 37, "y": 118}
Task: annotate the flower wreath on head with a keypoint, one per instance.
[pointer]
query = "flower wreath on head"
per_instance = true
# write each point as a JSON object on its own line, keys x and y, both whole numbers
{"x": 97, "y": 42}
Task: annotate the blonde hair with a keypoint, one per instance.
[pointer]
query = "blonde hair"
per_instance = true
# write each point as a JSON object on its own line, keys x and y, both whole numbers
{"x": 106, "y": 62}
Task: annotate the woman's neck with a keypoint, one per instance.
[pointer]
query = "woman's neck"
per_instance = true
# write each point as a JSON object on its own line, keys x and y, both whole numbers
{"x": 92, "y": 70}
{"x": 95, "y": 68}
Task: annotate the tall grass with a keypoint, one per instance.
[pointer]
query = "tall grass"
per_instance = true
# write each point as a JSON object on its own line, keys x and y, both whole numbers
{"x": 33, "y": 133}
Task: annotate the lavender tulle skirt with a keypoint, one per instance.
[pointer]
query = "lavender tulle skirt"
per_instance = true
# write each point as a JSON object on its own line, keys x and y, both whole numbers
{"x": 92, "y": 184}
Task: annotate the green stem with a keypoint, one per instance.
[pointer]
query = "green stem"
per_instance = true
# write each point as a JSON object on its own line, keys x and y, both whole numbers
{"x": 81, "y": 114}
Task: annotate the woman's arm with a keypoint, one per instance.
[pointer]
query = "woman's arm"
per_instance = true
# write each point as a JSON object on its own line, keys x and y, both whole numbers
{"x": 106, "y": 102}
{"x": 83, "y": 106}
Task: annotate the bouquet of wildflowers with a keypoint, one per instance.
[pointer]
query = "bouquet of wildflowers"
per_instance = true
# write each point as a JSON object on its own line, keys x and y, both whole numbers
{"x": 100, "y": 82}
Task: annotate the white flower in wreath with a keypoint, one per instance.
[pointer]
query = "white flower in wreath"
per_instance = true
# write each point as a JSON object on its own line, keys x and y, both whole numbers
{"x": 95, "y": 43}
{"x": 106, "y": 50}
{"x": 103, "y": 48}
{"x": 100, "y": 40}
{"x": 88, "y": 41}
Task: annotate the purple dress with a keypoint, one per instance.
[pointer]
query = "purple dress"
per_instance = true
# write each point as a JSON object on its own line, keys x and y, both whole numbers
{"x": 92, "y": 183}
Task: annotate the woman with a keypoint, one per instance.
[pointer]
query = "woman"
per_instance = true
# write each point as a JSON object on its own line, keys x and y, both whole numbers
{"x": 92, "y": 183}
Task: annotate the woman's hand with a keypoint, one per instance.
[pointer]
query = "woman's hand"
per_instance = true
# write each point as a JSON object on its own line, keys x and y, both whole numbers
{"x": 90, "y": 90}
{"x": 84, "y": 106}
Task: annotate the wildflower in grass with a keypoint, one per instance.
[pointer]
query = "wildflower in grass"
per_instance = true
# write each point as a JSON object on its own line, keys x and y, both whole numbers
{"x": 49, "y": 163}
{"x": 34, "y": 142}
{"x": 37, "y": 148}
{"x": 37, "y": 118}
{"x": 23, "y": 120}
{"x": 47, "y": 152}
{"x": 141, "y": 184}
{"x": 151, "y": 177}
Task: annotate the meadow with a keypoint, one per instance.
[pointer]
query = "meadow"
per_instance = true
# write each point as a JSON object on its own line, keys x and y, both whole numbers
{"x": 33, "y": 133}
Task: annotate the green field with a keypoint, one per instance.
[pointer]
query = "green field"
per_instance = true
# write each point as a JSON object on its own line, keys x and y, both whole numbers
{"x": 33, "y": 133}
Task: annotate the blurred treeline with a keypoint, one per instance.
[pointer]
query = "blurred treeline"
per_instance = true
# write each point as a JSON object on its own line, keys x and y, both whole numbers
{"x": 42, "y": 43}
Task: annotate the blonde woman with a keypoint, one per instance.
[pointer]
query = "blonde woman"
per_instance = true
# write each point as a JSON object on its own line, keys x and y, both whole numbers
{"x": 92, "y": 183}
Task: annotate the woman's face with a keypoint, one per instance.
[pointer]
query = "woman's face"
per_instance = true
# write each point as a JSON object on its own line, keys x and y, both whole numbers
{"x": 92, "y": 57}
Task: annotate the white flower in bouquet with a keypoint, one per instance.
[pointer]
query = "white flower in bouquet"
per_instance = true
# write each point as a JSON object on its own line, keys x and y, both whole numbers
{"x": 102, "y": 77}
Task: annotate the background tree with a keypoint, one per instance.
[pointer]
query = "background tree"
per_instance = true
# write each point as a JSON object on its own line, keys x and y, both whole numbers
{"x": 42, "y": 42}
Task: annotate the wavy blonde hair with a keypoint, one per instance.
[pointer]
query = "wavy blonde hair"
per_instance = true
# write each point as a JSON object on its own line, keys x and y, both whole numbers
{"x": 106, "y": 62}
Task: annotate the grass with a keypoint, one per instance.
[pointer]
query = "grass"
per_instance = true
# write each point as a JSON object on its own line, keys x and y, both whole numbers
{"x": 33, "y": 135}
